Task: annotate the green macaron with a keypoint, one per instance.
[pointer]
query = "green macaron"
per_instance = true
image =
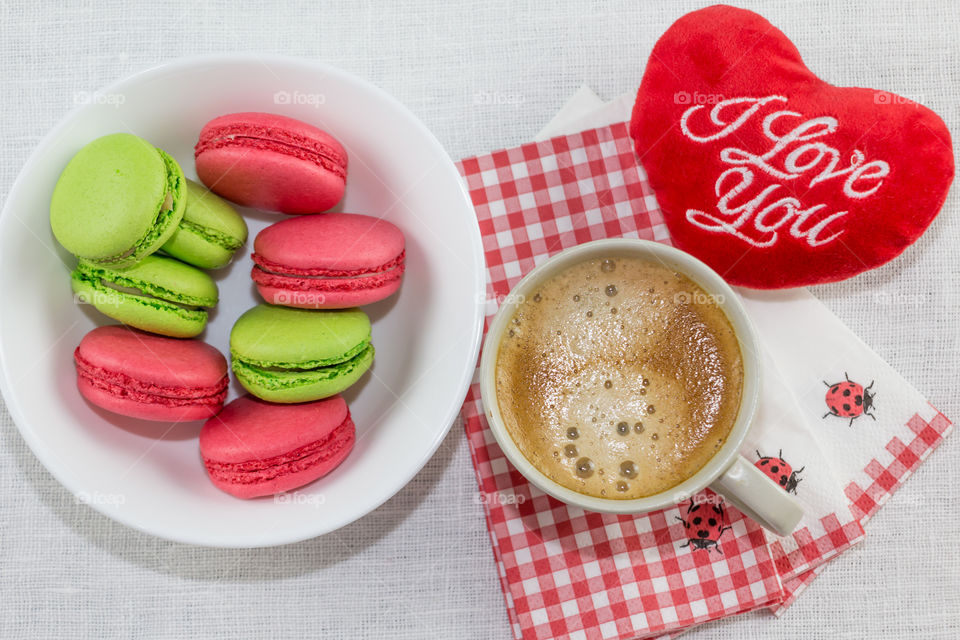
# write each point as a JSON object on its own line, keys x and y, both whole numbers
{"x": 161, "y": 295}
{"x": 282, "y": 354}
{"x": 117, "y": 201}
{"x": 210, "y": 231}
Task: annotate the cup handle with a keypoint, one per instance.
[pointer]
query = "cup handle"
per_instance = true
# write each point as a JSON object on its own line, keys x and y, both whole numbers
{"x": 759, "y": 497}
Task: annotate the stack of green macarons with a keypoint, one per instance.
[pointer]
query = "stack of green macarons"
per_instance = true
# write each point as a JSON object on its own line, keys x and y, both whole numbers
{"x": 142, "y": 233}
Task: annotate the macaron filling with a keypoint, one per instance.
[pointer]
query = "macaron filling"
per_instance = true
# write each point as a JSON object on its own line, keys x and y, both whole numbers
{"x": 273, "y": 139}
{"x": 301, "y": 459}
{"x": 272, "y": 274}
{"x": 166, "y": 217}
{"x": 276, "y": 376}
{"x": 121, "y": 385}
{"x": 89, "y": 278}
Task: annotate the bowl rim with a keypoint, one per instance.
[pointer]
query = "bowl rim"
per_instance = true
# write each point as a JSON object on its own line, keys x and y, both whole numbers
{"x": 701, "y": 274}
{"x": 275, "y": 537}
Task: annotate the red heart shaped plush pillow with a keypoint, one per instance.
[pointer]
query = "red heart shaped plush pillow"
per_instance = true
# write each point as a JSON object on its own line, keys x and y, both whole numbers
{"x": 772, "y": 176}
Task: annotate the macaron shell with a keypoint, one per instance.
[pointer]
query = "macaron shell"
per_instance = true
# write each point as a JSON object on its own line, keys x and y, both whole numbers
{"x": 276, "y": 127}
{"x": 148, "y": 314}
{"x": 302, "y": 385}
{"x": 135, "y": 408}
{"x": 109, "y": 204}
{"x": 209, "y": 233}
{"x": 263, "y": 176}
{"x": 154, "y": 360}
{"x": 269, "y": 335}
{"x": 254, "y": 448}
{"x": 165, "y": 224}
{"x": 163, "y": 277}
{"x": 196, "y": 247}
{"x": 251, "y": 429}
{"x": 335, "y": 242}
{"x": 353, "y": 292}
{"x": 206, "y": 208}
{"x": 333, "y": 261}
{"x": 314, "y": 469}
{"x": 167, "y": 288}
{"x": 271, "y": 162}
{"x": 152, "y": 377}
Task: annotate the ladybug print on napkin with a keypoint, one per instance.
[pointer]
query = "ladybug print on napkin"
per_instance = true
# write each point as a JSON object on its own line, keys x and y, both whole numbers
{"x": 849, "y": 399}
{"x": 705, "y": 521}
{"x": 780, "y": 471}
{"x": 772, "y": 176}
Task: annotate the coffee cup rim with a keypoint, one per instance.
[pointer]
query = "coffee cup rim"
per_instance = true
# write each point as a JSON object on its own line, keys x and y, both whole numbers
{"x": 713, "y": 284}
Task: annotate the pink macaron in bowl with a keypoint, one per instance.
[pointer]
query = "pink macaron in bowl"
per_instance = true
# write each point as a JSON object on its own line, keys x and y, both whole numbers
{"x": 143, "y": 375}
{"x": 256, "y": 448}
{"x": 331, "y": 261}
{"x": 271, "y": 162}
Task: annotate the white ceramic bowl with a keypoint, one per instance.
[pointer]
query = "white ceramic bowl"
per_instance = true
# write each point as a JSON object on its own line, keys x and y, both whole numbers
{"x": 149, "y": 475}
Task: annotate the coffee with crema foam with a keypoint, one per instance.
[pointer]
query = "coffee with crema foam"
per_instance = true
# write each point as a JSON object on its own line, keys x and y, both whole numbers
{"x": 619, "y": 378}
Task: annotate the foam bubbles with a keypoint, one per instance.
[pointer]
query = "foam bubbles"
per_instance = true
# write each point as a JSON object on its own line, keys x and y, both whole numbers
{"x": 584, "y": 467}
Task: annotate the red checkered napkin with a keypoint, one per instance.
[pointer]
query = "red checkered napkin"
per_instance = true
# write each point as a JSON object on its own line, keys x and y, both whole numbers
{"x": 566, "y": 572}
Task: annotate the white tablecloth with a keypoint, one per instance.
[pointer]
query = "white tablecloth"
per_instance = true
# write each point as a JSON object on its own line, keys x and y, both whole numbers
{"x": 480, "y": 77}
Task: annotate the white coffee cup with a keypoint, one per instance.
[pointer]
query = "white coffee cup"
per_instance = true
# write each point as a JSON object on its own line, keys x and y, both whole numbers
{"x": 727, "y": 472}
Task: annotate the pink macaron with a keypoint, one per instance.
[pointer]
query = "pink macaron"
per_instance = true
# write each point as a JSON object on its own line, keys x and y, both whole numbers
{"x": 152, "y": 377}
{"x": 271, "y": 162}
{"x": 256, "y": 448}
{"x": 333, "y": 261}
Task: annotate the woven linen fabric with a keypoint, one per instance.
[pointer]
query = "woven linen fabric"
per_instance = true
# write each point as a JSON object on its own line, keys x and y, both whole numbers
{"x": 481, "y": 76}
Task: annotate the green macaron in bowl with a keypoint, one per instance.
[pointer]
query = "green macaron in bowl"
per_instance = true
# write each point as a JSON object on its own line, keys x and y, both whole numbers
{"x": 285, "y": 355}
{"x": 160, "y": 295}
{"x": 209, "y": 233}
{"x": 117, "y": 201}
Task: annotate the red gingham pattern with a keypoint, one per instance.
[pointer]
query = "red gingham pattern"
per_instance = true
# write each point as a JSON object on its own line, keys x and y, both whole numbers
{"x": 566, "y": 572}
{"x": 886, "y": 473}
{"x": 793, "y": 588}
{"x": 839, "y": 532}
